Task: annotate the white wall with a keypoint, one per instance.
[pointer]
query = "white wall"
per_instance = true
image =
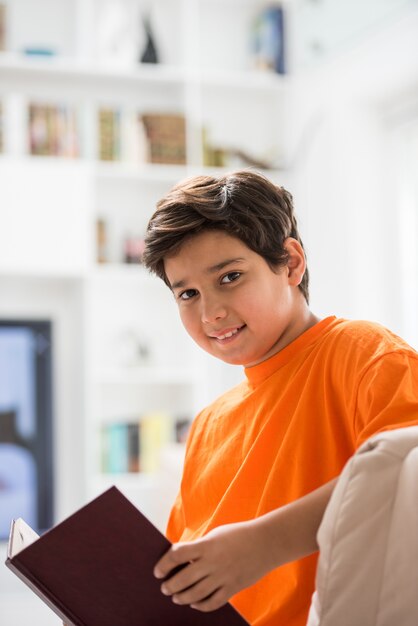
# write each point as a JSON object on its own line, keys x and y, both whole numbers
{"x": 344, "y": 187}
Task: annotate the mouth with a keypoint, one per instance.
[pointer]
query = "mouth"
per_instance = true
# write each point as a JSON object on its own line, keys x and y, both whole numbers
{"x": 228, "y": 335}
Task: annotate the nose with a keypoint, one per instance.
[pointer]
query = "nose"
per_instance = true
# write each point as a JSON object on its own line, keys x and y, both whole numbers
{"x": 212, "y": 309}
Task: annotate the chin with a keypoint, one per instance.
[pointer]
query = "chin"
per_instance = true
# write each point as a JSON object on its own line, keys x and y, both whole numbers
{"x": 232, "y": 360}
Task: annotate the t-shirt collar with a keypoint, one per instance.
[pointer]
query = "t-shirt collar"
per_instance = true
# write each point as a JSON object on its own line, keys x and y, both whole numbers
{"x": 260, "y": 372}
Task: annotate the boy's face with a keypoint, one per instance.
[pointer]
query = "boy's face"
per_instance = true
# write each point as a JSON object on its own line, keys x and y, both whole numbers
{"x": 230, "y": 301}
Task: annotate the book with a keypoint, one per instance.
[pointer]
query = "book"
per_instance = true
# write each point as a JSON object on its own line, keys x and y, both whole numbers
{"x": 166, "y": 135}
{"x": 109, "y": 131}
{"x": 268, "y": 39}
{"x": 155, "y": 433}
{"x": 117, "y": 461}
{"x": 52, "y": 130}
{"x": 96, "y": 567}
{"x": 133, "y": 447}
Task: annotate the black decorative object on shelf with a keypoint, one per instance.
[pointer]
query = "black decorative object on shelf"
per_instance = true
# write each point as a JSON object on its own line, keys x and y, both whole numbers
{"x": 150, "y": 54}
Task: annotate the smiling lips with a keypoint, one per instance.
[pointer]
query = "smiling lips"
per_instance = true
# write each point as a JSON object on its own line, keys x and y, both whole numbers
{"x": 228, "y": 334}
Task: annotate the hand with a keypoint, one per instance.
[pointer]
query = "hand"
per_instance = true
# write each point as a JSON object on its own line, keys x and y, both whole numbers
{"x": 235, "y": 556}
{"x": 226, "y": 560}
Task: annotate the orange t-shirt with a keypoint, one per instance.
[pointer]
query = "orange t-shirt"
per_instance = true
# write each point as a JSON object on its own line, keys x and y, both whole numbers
{"x": 287, "y": 429}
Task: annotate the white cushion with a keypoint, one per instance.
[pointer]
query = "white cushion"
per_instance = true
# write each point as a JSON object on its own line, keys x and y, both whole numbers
{"x": 367, "y": 571}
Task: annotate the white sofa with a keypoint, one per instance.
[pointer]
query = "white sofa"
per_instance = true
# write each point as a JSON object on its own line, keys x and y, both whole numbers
{"x": 368, "y": 565}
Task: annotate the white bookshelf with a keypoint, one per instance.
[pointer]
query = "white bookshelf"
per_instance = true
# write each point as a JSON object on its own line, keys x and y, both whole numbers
{"x": 47, "y": 231}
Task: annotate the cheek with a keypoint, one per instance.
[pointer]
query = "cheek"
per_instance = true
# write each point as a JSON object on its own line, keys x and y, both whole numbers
{"x": 189, "y": 320}
{"x": 251, "y": 307}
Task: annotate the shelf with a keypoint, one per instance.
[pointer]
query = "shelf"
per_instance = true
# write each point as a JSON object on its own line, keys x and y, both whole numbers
{"x": 52, "y": 205}
{"x": 145, "y": 375}
{"x": 251, "y": 80}
{"x": 148, "y": 492}
{"x": 220, "y": 171}
{"x": 110, "y": 170}
{"x": 121, "y": 272}
{"x": 18, "y": 66}
{"x": 128, "y": 480}
{"x": 35, "y": 274}
{"x": 141, "y": 172}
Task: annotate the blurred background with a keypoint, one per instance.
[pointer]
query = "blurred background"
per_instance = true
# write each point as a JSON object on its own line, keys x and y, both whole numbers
{"x": 104, "y": 105}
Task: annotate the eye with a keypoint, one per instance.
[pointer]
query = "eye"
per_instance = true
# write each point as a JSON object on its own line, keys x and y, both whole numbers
{"x": 187, "y": 294}
{"x": 230, "y": 277}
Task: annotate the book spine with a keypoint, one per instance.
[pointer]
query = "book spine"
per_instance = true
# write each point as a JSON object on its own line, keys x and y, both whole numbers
{"x": 117, "y": 448}
{"x": 120, "y": 448}
{"x": 52, "y": 131}
{"x": 133, "y": 447}
{"x": 155, "y": 432}
{"x": 109, "y": 122}
{"x": 166, "y": 135}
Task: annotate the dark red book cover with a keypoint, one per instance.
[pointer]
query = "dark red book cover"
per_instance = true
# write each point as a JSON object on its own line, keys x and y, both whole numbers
{"x": 95, "y": 569}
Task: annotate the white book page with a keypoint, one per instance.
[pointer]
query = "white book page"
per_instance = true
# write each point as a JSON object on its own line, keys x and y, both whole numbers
{"x": 21, "y": 536}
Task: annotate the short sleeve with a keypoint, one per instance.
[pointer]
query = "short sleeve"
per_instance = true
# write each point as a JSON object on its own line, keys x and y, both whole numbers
{"x": 387, "y": 395}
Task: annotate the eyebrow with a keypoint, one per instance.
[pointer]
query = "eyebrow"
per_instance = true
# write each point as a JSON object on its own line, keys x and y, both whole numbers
{"x": 210, "y": 270}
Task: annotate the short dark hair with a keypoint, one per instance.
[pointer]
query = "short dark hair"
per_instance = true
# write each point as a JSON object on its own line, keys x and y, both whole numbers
{"x": 244, "y": 204}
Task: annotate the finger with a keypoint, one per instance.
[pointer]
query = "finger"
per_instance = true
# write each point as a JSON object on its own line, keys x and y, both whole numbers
{"x": 213, "y": 602}
{"x": 178, "y": 554}
{"x": 198, "y": 592}
{"x": 190, "y": 575}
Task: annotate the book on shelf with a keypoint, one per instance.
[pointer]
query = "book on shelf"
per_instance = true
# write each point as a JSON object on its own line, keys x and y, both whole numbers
{"x": 115, "y": 448}
{"x": 166, "y": 135}
{"x": 101, "y": 240}
{"x": 156, "y": 431}
{"x": 268, "y": 43}
{"x": 121, "y": 136}
{"x": 52, "y": 130}
{"x": 109, "y": 131}
{"x": 135, "y": 445}
{"x": 182, "y": 428}
{"x": 133, "y": 249}
{"x": 96, "y": 567}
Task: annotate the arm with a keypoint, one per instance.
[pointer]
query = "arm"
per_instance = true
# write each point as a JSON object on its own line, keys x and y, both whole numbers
{"x": 235, "y": 556}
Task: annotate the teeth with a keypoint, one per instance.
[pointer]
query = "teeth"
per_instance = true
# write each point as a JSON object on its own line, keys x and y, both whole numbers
{"x": 227, "y": 335}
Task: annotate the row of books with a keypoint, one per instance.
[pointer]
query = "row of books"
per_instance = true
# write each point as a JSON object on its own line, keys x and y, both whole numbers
{"x": 54, "y": 130}
{"x": 131, "y": 247}
{"x": 141, "y": 137}
{"x": 135, "y": 445}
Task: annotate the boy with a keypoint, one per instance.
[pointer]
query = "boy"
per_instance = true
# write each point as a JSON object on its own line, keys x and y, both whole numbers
{"x": 262, "y": 460}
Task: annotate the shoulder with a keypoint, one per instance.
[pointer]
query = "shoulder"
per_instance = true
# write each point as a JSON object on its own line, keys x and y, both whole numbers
{"x": 350, "y": 349}
{"x": 370, "y": 338}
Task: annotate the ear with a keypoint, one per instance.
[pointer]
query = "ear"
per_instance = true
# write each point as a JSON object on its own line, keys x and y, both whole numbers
{"x": 296, "y": 264}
